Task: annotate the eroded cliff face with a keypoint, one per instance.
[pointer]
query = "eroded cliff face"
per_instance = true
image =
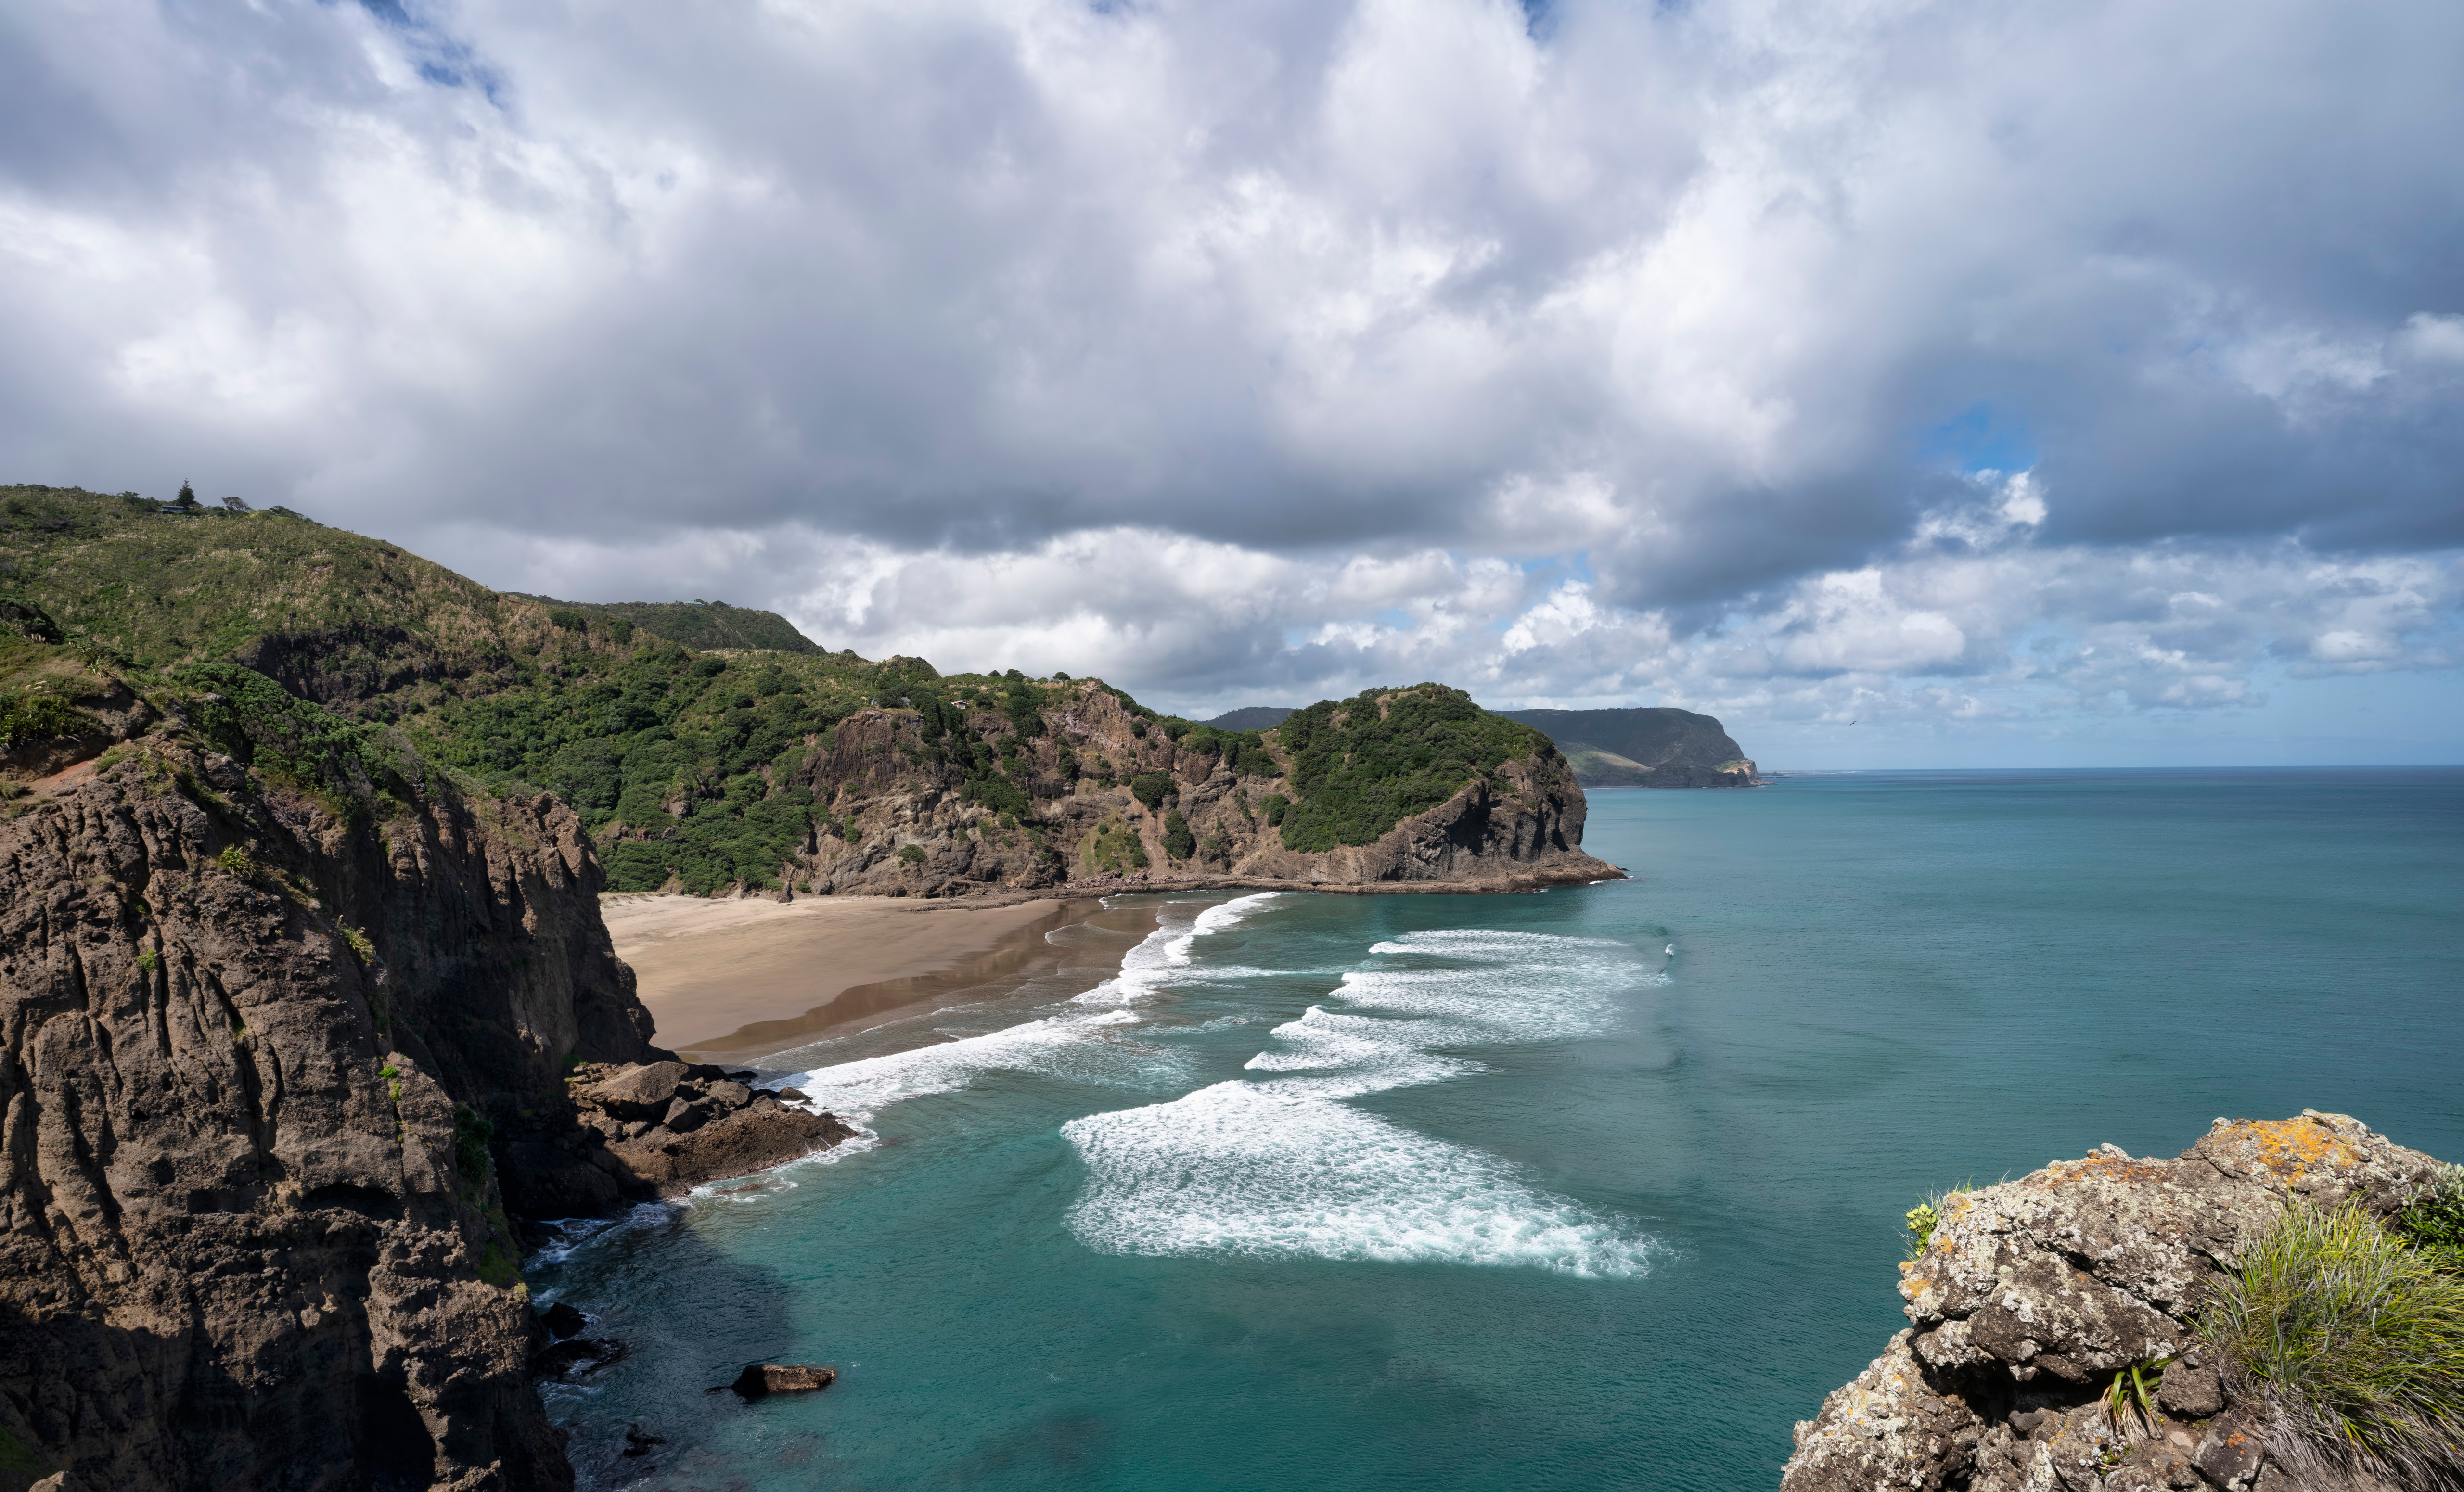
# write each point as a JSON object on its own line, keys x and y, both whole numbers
{"x": 244, "y": 1240}
{"x": 2032, "y": 1295}
{"x": 1522, "y": 827}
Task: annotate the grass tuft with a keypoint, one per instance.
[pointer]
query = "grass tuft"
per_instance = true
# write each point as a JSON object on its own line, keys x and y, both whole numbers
{"x": 2354, "y": 1340}
{"x": 2433, "y": 1222}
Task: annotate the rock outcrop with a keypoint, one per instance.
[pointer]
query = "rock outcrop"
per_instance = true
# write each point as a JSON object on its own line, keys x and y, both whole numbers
{"x": 906, "y": 829}
{"x": 291, "y": 1032}
{"x": 247, "y": 1236}
{"x": 2031, "y": 1296}
{"x": 648, "y": 1129}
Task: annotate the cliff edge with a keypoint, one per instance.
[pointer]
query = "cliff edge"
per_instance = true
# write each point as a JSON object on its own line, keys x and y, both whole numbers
{"x": 288, "y": 1019}
{"x": 2062, "y": 1333}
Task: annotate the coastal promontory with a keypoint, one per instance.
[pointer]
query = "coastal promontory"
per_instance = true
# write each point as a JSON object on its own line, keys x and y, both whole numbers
{"x": 2281, "y": 1306}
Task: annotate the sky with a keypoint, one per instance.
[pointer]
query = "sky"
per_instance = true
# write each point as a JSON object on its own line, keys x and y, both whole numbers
{"x": 1907, "y": 384}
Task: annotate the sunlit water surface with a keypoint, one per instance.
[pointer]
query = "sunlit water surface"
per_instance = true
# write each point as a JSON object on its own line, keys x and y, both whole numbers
{"x": 1599, "y": 1188}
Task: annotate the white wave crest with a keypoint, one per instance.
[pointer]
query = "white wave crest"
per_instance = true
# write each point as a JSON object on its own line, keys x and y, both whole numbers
{"x": 1150, "y": 966}
{"x": 1269, "y": 1169}
{"x": 1087, "y": 1047}
{"x": 1283, "y": 1165}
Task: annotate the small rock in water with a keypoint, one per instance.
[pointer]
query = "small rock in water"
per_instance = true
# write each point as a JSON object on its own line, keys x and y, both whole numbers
{"x": 636, "y": 1443}
{"x": 563, "y": 1321}
{"x": 576, "y": 1357}
{"x": 760, "y": 1380}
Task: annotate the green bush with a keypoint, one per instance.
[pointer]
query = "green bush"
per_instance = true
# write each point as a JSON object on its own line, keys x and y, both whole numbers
{"x": 471, "y": 1133}
{"x": 38, "y": 715}
{"x": 568, "y": 620}
{"x": 2354, "y": 1339}
{"x": 913, "y": 854}
{"x": 1359, "y": 770}
{"x": 1152, "y": 788}
{"x": 2433, "y": 1222}
{"x": 1177, "y": 842}
{"x": 1276, "y": 805}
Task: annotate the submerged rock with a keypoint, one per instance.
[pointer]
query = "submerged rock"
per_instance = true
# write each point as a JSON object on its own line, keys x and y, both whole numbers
{"x": 578, "y": 1358}
{"x": 2031, "y": 1296}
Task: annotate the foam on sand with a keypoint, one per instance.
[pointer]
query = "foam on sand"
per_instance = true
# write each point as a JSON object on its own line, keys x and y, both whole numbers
{"x": 1084, "y": 1045}
{"x": 1283, "y": 1165}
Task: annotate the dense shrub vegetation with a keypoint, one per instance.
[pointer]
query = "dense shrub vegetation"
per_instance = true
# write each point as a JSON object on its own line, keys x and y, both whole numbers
{"x": 1359, "y": 767}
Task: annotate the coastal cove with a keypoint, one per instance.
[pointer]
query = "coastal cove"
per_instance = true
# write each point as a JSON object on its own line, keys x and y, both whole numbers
{"x": 1529, "y": 1201}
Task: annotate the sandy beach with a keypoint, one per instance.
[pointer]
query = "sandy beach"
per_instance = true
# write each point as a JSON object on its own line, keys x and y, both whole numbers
{"x": 731, "y": 979}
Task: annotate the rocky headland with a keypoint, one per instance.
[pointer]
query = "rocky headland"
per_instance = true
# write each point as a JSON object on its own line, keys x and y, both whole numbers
{"x": 709, "y": 749}
{"x": 1644, "y": 747}
{"x": 308, "y": 1010}
{"x": 295, "y": 1032}
{"x": 2055, "y": 1340}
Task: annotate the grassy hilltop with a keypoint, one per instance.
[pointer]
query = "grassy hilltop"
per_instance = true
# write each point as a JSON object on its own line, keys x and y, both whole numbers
{"x": 703, "y": 745}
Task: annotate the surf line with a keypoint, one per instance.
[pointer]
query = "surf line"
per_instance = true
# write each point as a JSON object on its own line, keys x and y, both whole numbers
{"x": 1283, "y": 1167}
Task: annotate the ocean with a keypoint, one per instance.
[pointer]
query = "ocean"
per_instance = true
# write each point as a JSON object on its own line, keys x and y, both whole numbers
{"x": 1598, "y": 1188}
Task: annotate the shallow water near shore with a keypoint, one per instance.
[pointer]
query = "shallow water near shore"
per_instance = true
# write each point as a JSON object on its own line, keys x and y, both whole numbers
{"x": 1472, "y": 1193}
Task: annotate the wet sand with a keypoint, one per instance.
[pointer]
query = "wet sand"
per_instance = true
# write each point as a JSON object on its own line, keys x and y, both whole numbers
{"x": 731, "y": 981}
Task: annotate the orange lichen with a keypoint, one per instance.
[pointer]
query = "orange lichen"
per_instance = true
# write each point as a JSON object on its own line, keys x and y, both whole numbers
{"x": 2291, "y": 1148}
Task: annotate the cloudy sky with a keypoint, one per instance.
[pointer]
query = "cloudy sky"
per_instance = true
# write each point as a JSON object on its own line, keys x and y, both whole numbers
{"x": 1905, "y": 383}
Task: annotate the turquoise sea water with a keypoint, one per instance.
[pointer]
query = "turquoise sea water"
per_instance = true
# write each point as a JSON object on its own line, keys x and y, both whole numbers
{"x": 1440, "y": 1191}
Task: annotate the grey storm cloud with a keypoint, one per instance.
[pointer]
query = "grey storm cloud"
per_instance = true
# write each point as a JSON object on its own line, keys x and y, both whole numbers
{"x": 1605, "y": 350}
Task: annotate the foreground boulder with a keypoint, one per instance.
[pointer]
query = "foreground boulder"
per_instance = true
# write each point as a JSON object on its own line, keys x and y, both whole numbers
{"x": 2032, "y": 1296}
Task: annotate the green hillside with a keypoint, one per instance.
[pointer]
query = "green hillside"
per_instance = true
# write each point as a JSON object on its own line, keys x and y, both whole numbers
{"x": 705, "y": 626}
{"x": 699, "y": 742}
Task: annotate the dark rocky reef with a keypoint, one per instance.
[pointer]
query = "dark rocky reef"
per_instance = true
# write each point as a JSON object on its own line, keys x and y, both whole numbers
{"x": 1657, "y": 747}
{"x": 2032, "y": 1295}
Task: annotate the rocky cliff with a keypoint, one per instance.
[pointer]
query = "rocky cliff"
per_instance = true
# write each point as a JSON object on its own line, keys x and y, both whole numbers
{"x": 1120, "y": 800}
{"x": 1655, "y": 747}
{"x": 744, "y": 757}
{"x": 285, "y": 1016}
{"x": 2053, "y": 1342}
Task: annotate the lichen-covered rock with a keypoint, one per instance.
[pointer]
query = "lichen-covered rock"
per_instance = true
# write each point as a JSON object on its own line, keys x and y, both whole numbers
{"x": 1888, "y": 1427}
{"x": 2032, "y": 1295}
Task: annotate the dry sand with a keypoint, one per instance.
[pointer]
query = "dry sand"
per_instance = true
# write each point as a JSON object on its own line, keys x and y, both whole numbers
{"x": 731, "y": 979}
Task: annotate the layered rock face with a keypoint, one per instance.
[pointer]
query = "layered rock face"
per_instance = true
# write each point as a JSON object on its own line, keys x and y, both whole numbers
{"x": 247, "y": 1238}
{"x": 2032, "y": 1295}
{"x": 1521, "y": 828}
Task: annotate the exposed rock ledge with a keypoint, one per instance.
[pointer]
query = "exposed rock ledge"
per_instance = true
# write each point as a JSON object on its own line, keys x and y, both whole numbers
{"x": 2033, "y": 1294}
{"x": 643, "y": 1129}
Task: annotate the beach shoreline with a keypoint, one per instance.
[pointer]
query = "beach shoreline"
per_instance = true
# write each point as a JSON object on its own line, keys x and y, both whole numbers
{"x": 735, "y": 979}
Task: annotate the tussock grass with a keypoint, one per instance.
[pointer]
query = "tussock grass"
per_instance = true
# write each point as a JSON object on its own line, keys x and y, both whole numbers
{"x": 2353, "y": 1340}
{"x": 2433, "y": 1220}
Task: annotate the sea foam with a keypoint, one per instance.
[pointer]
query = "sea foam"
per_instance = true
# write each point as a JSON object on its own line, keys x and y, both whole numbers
{"x": 1283, "y": 1165}
{"x": 1080, "y": 1045}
